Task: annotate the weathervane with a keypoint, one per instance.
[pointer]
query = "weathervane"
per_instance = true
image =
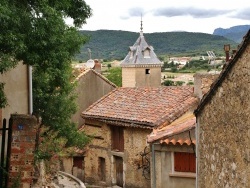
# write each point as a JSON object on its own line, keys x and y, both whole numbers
{"x": 141, "y": 26}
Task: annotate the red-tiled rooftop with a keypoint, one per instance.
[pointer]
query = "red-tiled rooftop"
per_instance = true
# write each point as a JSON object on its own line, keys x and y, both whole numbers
{"x": 143, "y": 107}
{"x": 175, "y": 132}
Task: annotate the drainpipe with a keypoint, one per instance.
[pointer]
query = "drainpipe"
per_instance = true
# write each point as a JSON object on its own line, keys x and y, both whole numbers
{"x": 30, "y": 89}
{"x": 153, "y": 166}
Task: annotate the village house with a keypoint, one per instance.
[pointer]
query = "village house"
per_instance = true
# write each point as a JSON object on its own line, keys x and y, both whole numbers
{"x": 121, "y": 121}
{"x": 180, "y": 60}
{"x": 173, "y": 158}
{"x": 119, "y": 124}
{"x": 223, "y": 130}
{"x": 91, "y": 86}
{"x": 18, "y": 128}
{"x": 18, "y": 90}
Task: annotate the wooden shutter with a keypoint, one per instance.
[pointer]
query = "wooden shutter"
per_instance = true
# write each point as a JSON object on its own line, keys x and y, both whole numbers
{"x": 192, "y": 162}
{"x": 184, "y": 162}
{"x": 117, "y": 138}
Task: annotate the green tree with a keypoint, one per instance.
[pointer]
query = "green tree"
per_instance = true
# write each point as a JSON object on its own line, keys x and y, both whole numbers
{"x": 35, "y": 32}
{"x": 115, "y": 76}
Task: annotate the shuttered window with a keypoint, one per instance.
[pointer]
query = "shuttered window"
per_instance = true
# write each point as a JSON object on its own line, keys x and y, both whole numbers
{"x": 117, "y": 138}
{"x": 184, "y": 162}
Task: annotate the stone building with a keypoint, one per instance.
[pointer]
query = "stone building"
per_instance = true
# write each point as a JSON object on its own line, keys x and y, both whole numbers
{"x": 141, "y": 67}
{"x": 223, "y": 130}
{"x": 91, "y": 86}
{"x": 119, "y": 124}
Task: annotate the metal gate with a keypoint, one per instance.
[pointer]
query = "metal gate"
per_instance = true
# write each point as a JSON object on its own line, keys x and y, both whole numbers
{"x": 5, "y": 135}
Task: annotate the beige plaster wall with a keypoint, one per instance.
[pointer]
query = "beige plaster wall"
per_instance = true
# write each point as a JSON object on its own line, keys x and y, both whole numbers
{"x": 136, "y": 77}
{"x": 223, "y": 131}
{"x": 134, "y": 143}
{"x": 150, "y": 80}
{"x": 17, "y": 90}
{"x": 90, "y": 88}
{"x": 128, "y": 77}
{"x": 166, "y": 177}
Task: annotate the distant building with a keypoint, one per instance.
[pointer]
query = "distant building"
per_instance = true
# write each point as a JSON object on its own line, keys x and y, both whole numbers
{"x": 179, "y": 60}
{"x": 141, "y": 67}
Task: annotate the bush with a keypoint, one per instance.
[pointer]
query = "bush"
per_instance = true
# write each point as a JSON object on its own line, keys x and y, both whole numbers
{"x": 168, "y": 83}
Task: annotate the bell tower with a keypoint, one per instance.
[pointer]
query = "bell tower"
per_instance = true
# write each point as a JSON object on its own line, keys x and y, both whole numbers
{"x": 141, "y": 67}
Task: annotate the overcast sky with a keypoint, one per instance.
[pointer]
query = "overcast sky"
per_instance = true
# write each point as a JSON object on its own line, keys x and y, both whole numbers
{"x": 167, "y": 15}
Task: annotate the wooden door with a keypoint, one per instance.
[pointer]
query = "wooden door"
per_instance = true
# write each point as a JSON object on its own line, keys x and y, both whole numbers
{"x": 119, "y": 171}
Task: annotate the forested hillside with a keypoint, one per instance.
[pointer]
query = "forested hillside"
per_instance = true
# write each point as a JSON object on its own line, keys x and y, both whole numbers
{"x": 110, "y": 45}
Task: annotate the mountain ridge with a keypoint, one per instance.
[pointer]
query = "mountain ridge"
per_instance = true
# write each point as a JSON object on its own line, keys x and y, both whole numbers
{"x": 235, "y": 33}
{"x": 113, "y": 44}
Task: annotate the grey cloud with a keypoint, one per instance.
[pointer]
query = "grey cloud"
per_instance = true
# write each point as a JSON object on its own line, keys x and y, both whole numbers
{"x": 135, "y": 12}
{"x": 189, "y": 11}
{"x": 243, "y": 14}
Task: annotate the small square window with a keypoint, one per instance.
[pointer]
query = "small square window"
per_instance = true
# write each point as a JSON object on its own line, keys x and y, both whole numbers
{"x": 147, "y": 71}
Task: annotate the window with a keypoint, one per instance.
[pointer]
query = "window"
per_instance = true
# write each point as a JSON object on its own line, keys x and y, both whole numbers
{"x": 78, "y": 162}
{"x": 184, "y": 162}
{"x": 146, "y": 53}
{"x": 102, "y": 171}
{"x": 147, "y": 71}
{"x": 117, "y": 138}
{"x": 131, "y": 54}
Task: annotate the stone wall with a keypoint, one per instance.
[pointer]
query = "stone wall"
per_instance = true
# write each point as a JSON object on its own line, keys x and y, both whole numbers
{"x": 164, "y": 167}
{"x": 223, "y": 131}
{"x": 134, "y": 143}
{"x": 22, "y": 150}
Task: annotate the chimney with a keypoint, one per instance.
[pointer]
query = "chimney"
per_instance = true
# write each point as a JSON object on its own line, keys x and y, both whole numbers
{"x": 98, "y": 66}
{"x": 227, "y": 49}
{"x": 202, "y": 83}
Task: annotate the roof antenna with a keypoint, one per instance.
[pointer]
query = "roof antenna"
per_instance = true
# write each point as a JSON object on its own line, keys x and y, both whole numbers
{"x": 89, "y": 52}
{"x": 141, "y": 32}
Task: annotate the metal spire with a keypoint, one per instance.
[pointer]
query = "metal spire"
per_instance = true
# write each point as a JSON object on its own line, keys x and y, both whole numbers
{"x": 141, "y": 32}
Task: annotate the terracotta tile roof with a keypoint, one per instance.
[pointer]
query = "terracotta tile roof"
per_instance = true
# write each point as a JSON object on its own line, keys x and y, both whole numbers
{"x": 177, "y": 132}
{"x": 223, "y": 74}
{"x": 142, "y": 107}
